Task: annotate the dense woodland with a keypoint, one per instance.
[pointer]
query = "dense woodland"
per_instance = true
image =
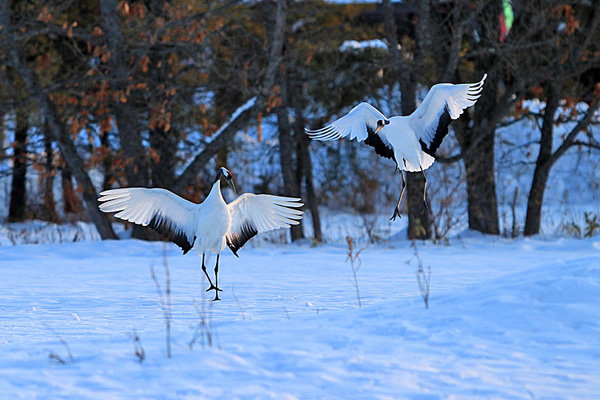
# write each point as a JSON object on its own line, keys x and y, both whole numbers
{"x": 97, "y": 94}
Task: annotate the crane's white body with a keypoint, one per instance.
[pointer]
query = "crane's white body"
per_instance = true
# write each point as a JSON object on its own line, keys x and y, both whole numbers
{"x": 410, "y": 140}
{"x": 406, "y": 146}
{"x": 213, "y": 221}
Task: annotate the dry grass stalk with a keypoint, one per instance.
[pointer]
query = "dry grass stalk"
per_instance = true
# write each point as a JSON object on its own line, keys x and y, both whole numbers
{"x": 205, "y": 329}
{"x": 354, "y": 257}
{"x": 165, "y": 300}
{"x": 138, "y": 349}
{"x": 423, "y": 278}
{"x": 54, "y": 356}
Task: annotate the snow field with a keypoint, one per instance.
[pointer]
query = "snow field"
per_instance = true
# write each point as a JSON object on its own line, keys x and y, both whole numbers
{"x": 507, "y": 320}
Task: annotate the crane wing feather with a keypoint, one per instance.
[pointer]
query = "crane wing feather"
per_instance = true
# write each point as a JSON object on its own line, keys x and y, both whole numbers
{"x": 159, "y": 209}
{"x": 252, "y": 214}
{"x": 360, "y": 123}
{"x": 354, "y": 124}
{"x": 444, "y": 102}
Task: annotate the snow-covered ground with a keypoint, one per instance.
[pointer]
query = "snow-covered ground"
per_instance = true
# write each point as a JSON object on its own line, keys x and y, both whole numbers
{"x": 507, "y": 319}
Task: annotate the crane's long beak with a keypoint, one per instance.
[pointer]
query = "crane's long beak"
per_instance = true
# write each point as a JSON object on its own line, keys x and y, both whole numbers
{"x": 378, "y": 128}
{"x": 230, "y": 182}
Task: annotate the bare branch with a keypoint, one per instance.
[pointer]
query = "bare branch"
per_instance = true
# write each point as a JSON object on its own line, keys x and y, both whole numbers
{"x": 583, "y": 124}
{"x": 203, "y": 16}
{"x": 228, "y": 131}
{"x": 590, "y": 145}
{"x": 56, "y": 125}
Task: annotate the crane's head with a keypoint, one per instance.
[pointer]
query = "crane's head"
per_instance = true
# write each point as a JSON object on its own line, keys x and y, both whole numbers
{"x": 381, "y": 123}
{"x": 224, "y": 172}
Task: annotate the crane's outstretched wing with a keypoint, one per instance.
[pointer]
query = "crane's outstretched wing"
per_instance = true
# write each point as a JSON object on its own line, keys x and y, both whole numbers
{"x": 254, "y": 213}
{"x": 160, "y": 209}
{"x": 360, "y": 123}
{"x": 443, "y": 103}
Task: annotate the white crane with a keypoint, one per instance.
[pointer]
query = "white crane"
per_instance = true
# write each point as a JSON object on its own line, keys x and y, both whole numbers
{"x": 411, "y": 141}
{"x": 207, "y": 227}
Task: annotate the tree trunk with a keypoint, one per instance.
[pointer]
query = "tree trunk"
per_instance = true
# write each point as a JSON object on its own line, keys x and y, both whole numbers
{"x": 107, "y": 161}
{"x": 419, "y": 217}
{"x": 136, "y": 165}
{"x": 163, "y": 158}
{"x": 290, "y": 160}
{"x": 57, "y": 126}
{"x": 48, "y": 180}
{"x": 533, "y": 218}
{"x": 126, "y": 118}
{"x": 419, "y": 220}
{"x": 18, "y": 192}
{"x": 162, "y": 171}
{"x": 70, "y": 200}
{"x": 311, "y": 197}
{"x": 2, "y": 136}
{"x": 287, "y": 159}
{"x": 477, "y": 141}
{"x": 163, "y": 143}
{"x": 481, "y": 183}
{"x": 305, "y": 167}
{"x": 543, "y": 163}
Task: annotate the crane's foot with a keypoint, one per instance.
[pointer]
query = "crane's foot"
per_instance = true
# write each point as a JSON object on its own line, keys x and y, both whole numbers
{"x": 396, "y": 214}
{"x": 216, "y": 289}
{"x": 425, "y": 205}
{"x": 217, "y": 296}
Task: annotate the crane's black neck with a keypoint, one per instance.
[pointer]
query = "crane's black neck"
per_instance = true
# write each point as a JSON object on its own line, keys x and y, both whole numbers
{"x": 219, "y": 175}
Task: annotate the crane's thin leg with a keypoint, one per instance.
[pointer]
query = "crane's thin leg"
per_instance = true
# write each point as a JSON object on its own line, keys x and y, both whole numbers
{"x": 397, "y": 209}
{"x": 206, "y": 273}
{"x": 425, "y": 191}
{"x": 217, "y": 290}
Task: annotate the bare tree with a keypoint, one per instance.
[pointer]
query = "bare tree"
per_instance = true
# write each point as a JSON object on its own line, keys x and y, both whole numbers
{"x": 55, "y": 123}
{"x": 136, "y": 166}
{"x": 547, "y": 157}
{"x": 18, "y": 193}
{"x": 408, "y": 75}
{"x": 248, "y": 111}
{"x": 287, "y": 155}
{"x": 288, "y": 141}
{"x": 48, "y": 177}
{"x": 476, "y": 137}
{"x": 305, "y": 168}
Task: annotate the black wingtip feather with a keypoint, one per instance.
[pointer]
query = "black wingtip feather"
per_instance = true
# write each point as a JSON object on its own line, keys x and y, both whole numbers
{"x": 166, "y": 228}
{"x": 375, "y": 141}
{"x": 440, "y": 134}
{"x": 236, "y": 240}
{"x": 186, "y": 250}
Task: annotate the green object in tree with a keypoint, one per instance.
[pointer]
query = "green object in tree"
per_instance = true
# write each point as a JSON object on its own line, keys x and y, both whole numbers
{"x": 509, "y": 16}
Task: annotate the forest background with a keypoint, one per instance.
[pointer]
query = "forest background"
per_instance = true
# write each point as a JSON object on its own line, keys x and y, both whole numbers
{"x": 97, "y": 94}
